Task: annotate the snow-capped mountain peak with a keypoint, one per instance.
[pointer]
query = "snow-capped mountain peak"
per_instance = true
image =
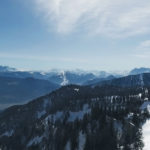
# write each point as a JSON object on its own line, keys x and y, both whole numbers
{"x": 65, "y": 81}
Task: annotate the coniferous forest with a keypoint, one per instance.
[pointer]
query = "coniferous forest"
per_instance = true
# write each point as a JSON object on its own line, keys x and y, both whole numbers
{"x": 78, "y": 118}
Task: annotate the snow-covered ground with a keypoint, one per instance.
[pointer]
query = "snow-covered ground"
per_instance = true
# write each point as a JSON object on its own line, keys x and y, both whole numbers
{"x": 146, "y": 135}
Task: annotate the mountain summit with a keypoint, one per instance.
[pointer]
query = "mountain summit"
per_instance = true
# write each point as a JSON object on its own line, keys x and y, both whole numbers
{"x": 6, "y": 69}
{"x": 139, "y": 71}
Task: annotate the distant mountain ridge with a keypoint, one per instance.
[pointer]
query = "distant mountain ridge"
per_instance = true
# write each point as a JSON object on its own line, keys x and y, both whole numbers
{"x": 6, "y": 69}
{"x": 96, "y": 80}
{"x": 128, "y": 81}
{"x": 56, "y": 76}
{"x": 139, "y": 71}
{"x": 18, "y": 87}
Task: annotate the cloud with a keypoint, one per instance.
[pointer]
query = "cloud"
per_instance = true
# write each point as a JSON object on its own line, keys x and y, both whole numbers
{"x": 116, "y": 18}
{"x": 43, "y": 58}
{"x": 145, "y": 55}
{"x": 145, "y": 44}
{"x": 143, "y": 50}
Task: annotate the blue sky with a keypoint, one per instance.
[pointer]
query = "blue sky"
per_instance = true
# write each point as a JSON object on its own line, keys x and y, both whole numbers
{"x": 68, "y": 34}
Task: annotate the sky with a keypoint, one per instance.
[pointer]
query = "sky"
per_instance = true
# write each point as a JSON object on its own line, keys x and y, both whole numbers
{"x": 82, "y": 34}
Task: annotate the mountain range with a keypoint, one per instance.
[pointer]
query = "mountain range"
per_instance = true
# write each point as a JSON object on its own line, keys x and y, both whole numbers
{"x": 128, "y": 81}
{"x": 21, "y": 86}
{"x": 18, "y": 87}
{"x": 57, "y": 77}
{"x": 99, "y": 113}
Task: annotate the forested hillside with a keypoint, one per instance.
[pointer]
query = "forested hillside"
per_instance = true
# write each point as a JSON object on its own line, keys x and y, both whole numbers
{"x": 76, "y": 117}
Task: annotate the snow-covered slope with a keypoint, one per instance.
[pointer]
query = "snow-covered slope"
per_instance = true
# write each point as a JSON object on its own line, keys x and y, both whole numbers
{"x": 146, "y": 135}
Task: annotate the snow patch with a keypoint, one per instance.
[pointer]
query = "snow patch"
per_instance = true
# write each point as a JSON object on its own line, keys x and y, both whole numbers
{"x": 141, "y": 80}
{"x": 146, "y": 91}
{"x": 140, "y": 95}
{"x": 146, "y": 135}
{"x": 68, "y": 146}
{"x": 40, "y": 114}
{"x": 80, "y": 114}
{"x": 43, "y": 73}
{"x": 131, "y": 124}
{"x": 130, "y": 115}
{"x": 145, "y": 99}
{"x": 56, "y": 116}
{"x": 8, "y": 133}
{"x": 82, "y": 140}
{"x": 77, "y": 90}
{"x": 145, "y": 106}
{"x": 118, "y": 127}
{"x": 34, "y": 141}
